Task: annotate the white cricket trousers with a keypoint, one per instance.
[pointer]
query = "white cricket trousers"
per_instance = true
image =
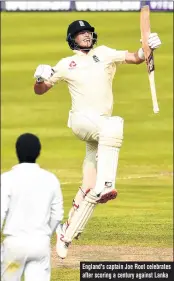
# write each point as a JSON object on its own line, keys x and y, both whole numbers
{"x": 86, "y": 126}
{"x": 26, "y": 255}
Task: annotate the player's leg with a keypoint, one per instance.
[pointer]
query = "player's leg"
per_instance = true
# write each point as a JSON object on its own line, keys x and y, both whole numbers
{"x": 38, "y": 267}
{"x": 86, "y": 128}
{"x": 91, "y": 127}
{"x": 89, "y": 176}
{"x": 110, "y": 140}
{"x": 13, "y": 260}
{"x": 38, "y": 270}
{"x": 89, "y": 180}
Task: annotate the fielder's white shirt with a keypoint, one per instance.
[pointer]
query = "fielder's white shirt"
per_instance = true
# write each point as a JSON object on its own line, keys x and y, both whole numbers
{"x": 89, "y": 77}
{"x": 31, "y": 201}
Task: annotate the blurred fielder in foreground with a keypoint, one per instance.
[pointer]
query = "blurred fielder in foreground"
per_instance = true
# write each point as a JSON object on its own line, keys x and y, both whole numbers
{"x": 89, "y": 74}
{"x": 32, "y": 203}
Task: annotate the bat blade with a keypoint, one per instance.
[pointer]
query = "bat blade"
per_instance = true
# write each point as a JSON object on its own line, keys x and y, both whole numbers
{"x": 148, "y": 53}
{"x": 145, "y": 29}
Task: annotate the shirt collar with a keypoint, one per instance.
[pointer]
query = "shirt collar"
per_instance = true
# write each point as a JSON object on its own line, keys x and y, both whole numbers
{"x": 80, "y": 53}
{"x": 25, "y": 166}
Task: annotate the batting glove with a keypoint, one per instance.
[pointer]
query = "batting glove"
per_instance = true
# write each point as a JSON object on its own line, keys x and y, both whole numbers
{"x": 43, "y": 72}
{"x": 154, "y": 41}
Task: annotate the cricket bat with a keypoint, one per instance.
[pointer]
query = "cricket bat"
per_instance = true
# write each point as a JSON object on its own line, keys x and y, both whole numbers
{"x": 148, "y": 53}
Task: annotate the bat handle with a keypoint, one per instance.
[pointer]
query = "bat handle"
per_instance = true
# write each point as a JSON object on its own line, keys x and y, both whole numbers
{"x": 153, "y": 92}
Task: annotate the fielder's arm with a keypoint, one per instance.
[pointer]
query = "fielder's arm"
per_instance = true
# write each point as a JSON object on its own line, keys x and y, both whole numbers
{"x": 57, "y": 210}
{"x": 5, "y": 197}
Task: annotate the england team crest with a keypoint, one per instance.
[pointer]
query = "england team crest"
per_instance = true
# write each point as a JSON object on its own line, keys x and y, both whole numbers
{"x": 72, "y": 64}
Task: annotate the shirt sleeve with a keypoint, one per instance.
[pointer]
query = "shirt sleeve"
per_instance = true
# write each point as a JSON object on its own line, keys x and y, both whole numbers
{"x": 115, "y": 56}
{"x": 57, "y": 210}
{"x": 5, "y": 197}
{"x": 58, "y": 73}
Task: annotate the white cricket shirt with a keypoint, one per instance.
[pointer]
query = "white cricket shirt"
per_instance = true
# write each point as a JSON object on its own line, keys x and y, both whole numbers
{"x": 31, "y": 201}
{"x": 89, "y": 77}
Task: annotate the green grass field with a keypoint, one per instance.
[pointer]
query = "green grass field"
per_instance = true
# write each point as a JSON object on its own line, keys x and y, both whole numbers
{"x": 142, "y": 213}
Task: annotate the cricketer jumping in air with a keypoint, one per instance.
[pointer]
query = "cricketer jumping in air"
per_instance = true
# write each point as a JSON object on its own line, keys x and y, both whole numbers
{"x": 89, "y": 73}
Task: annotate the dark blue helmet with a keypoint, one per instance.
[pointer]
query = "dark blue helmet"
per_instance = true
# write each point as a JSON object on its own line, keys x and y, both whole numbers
{"x": 74, "y": 28}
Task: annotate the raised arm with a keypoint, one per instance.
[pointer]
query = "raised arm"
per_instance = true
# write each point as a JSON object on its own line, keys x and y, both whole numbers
{"x": 138, "y": 57}
{"x": 135, "y": 58}
{"x": 46, "y": 76}
{"x": 42, "y": 75}
{"x": 41, "y": 87}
